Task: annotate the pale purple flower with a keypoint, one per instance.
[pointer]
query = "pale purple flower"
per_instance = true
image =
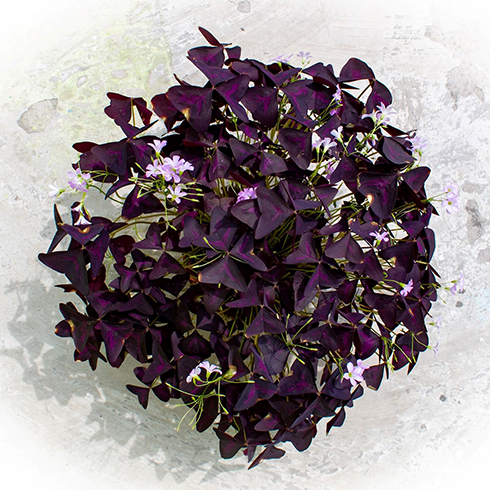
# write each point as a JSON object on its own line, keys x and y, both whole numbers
{"x": 438, "y": 324}
{"x": 157, "y": 145}
{"x": 82, "y": 221}
{"x": 337, "y": 96}
{"x": 380, "y": 237}
{"x": 154, "y": 169}
{"x": 176, "y": 193}
{"x": 354, "y": 374}
{"x": 417, "y": 144}
{"x": 55, "y": 190}
{"x": 194, "y": 374}
{"x": 77, "y": 180}
{"x": 407, "y": 288}
{"x": 282, "y": 58}
{"x": 304, "y": 56}
{"x": 247, "y": 193}
{"x": 436, "y": 349}
{"x": 210, "y": 368}
{"x": 185, "y": 166}
{"x": 384, "y": 113}
{"x": 174, "y": 167}
{"x": 458, "y": 286}
{"x": 337, "y": 133}
{"x": 451, "y": 188}
{"x": 451, "y": 200}
{"x": 325, "y": 143}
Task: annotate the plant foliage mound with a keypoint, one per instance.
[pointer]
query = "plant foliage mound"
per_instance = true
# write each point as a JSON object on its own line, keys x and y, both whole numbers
{"x": 272, "y": 252}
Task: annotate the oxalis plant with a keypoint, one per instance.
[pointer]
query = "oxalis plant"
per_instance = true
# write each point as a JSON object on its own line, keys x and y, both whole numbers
{"x": 272, "y": 250}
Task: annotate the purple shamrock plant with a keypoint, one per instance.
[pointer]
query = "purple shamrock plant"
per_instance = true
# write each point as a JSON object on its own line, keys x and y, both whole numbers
{"x": 272, "y": 251}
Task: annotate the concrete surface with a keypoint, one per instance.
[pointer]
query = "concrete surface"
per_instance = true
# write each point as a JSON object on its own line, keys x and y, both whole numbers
{"x": 64, "y": 426}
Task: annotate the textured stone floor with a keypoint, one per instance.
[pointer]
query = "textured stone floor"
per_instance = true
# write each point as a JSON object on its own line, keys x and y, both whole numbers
{"x": 64, "y": 426}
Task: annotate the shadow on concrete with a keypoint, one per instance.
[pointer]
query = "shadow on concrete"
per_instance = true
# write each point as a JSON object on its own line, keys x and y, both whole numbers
{"x": 48, "y": 367}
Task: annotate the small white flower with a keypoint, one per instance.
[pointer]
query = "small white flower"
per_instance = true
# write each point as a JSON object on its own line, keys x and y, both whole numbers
{"x": 55, "y": 190}
{"x": 82, "y": 221}
{"x": 194, "y": 374}
{"x": 337, "y": 133}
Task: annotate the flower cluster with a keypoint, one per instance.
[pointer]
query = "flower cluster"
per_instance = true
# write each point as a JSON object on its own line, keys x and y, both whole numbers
{"x": 272, "y": 257}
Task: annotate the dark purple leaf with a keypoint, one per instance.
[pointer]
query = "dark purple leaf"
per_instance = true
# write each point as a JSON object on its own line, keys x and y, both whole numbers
{"x": 244, "y": 250}
{"x": 274, "y": 212}
{"x": 194, "y": 103}
{"x": 233, "y": 92}
{"x": 299, "y": 382}
{"x": 136, "y": 205}
{"x": 260, "y": 389}
{"x": 416, "y": 178}
{"x": 72, "y": 264}
{"x": 297, "y": 144}
{"x": 322, "y": 74}
{"x": 262, "y": 103}
{"x": 380, "y": 190}
{"x": 142, "y": 392}
{"x": 274, "y": 353}
{"x": 223, "y": 271}
{"x": 379, "y": 95}
{"x": 247, "y": 212}
{"x": 270, "y": 452}
{"x": 355, "y": 69}
{"x": 153, "y": 239}
{"x": 345, "y": 248}
{"x": 114, "y": 336}
{"x": 395, "y": 152}
{"x": 121, "y": 107}
{"x": 265, "y": 322}
{"x": 165, "y": 110}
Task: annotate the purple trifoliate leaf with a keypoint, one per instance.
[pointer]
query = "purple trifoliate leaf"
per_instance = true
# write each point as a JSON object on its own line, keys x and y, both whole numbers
{"x": 244, "y": 250}
{"x": 247, "y": 212}
{"x": 122, "y": 107}
{"x": 194, "y": 103}
{"x": 260, "y": 389}
{"x": 380, "y": 190}
{"x": 274, "y": 353}
{"x": 81, "y": 325}
{"x": 262, "y": 103}
{"x": 223, "y": 271}
{"x": 136, "y": 205}
{"x": 299, "y": 382}
{"x": 322, "y": 74}
{"x": 297, "y": 144}
{"x": 165, "y": 110}
{"x": 265, "y": 322}
{"x": 113, "y": 155}
{"x": 345, "y": 248}
{"x": 274, "y": 212}
{"x": 114, "y": 336}
{"x": 395, "y": 152}
{"x": 142, "y": 392}
{"x": 416, "y": 178}
{"x": 379, "y": 94}
{"x": 233, "y": 92}
{"x": 72, "y": 264}
{"x": 355, "y": 69}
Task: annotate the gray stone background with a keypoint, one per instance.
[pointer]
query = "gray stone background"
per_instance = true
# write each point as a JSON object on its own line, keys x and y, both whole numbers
{"x": 64, "y": 426}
